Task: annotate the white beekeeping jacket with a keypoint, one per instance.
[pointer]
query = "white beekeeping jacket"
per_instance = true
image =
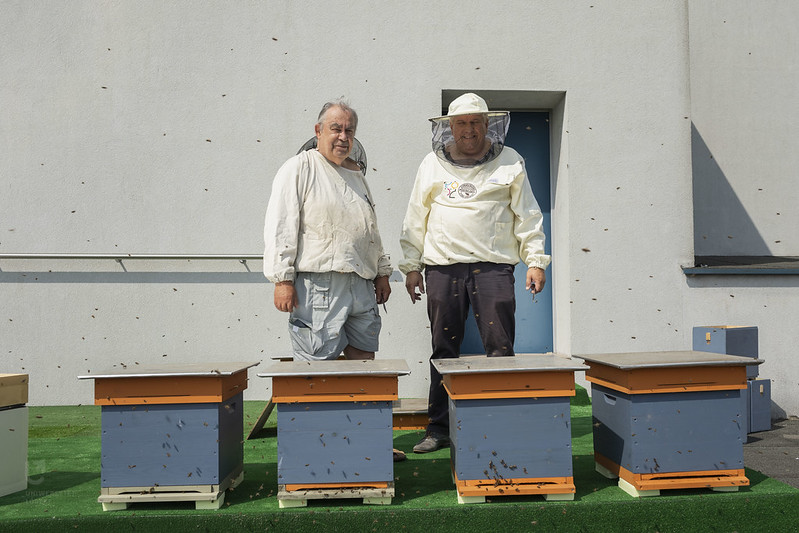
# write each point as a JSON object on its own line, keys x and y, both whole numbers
{"x": 321, "y": 218}
{"x": 472, "y": 214}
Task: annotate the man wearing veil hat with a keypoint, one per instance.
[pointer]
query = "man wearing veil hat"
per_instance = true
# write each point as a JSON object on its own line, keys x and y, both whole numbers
{"x": 471, "y": 217}
{"x": 322, "y": 248}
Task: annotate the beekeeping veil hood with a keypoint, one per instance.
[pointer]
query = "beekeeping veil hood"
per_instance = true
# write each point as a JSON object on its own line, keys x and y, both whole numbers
{"x": 469, "y": 104}
{"x": 357, "y": 155}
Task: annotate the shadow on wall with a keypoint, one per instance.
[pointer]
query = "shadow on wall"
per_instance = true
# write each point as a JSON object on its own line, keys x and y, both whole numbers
{"x": 721, "y": 223}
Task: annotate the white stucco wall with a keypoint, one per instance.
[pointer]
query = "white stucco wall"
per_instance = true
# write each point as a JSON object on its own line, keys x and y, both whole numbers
{"x": 745, "y": 113}
{"x": 157, "y": 127}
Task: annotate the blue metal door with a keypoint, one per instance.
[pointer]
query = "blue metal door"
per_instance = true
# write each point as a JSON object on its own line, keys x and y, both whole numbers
{"x": 528, "y": 135}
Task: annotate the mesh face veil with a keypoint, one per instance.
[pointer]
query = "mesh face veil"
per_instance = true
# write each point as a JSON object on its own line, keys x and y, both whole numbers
{"x": 358, "y": 154}
{"x": 443, "y": 139}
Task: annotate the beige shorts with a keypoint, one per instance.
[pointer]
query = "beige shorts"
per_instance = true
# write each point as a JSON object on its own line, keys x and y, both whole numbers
{"x": 335, "y": 310}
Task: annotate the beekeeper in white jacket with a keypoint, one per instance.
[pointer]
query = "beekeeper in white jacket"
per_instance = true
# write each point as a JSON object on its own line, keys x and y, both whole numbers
{"x": 322, "y": 246}
{"x": 471, "y": 217}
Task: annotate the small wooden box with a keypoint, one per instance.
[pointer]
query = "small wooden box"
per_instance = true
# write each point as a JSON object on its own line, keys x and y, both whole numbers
{"x": 510, "y": 425}
{"x": 13, "y": 389}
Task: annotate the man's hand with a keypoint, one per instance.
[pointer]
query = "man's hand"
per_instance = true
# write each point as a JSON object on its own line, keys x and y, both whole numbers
{"x": 382, "y": 289}
{"x": 414, "y": 281}
{"x": 286, "y": 296}
{"x": 536, "y": 279}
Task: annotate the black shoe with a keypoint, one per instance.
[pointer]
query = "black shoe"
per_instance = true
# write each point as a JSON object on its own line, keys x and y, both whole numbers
{"x": 431, "y": 442}
{"x": 399, "y": 456}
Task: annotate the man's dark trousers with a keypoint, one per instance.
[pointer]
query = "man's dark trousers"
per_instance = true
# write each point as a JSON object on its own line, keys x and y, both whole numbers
{"x": 451, "y": 289}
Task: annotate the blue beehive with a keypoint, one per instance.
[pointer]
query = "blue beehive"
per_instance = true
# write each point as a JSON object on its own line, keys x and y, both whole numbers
{"x": 171, "y": 432}
{"x": 666, "y": 420}
{"x": 677, "y": 432}
{"x": 510, "y": 425}
{"x": 502, "y": 439}
{"x": 334, "y": 443}
{"x": 171, "y": 444}
{"x": 334, "y": 429}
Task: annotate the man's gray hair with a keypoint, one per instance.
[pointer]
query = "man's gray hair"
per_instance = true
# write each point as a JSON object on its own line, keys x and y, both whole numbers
{"x": 343, "y": 105}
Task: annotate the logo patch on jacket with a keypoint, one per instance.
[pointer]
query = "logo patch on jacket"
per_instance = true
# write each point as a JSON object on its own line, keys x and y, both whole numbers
{"x": 467, "y": 190}
{"x": 450, "y": 187}
{"x": 464, "y": 190}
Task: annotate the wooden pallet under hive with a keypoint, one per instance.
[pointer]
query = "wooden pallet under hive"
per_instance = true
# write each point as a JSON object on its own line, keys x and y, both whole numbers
{"x": 642, "y": 485}
{"x": 299, "y": 494}
{"x": 203, "y": 496}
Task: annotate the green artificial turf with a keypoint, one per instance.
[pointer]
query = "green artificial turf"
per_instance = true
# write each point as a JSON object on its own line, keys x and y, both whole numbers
{"x": 64, "y": 482}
